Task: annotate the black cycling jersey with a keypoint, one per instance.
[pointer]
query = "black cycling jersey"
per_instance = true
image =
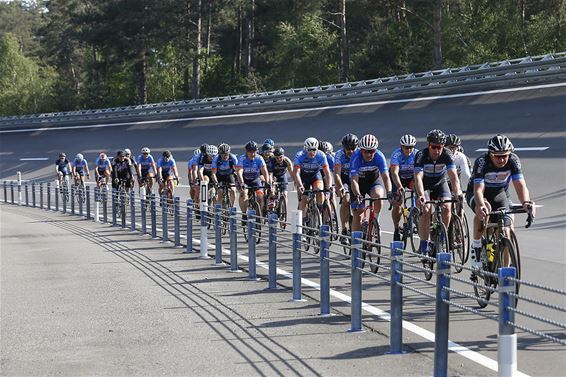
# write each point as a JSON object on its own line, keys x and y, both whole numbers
{"x": 279, "y": 170}
{"x": 434, "y": 172}
{"x": 205, "y": 161}
{"x": 495, "y": 179}
{"x": 64, "y": 166}
{"x": 122, "y": 169}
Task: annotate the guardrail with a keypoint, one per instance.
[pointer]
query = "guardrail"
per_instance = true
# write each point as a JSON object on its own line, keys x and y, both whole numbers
{"x": 508, "y": 72}
{"x": 228, "y": 229}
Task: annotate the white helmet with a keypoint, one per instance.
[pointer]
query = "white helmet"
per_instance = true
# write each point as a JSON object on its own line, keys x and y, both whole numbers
{"x": 79, "y": 157}
{"x": 369, "y": 142}
{"x": 211, "y": 150}
{"x": 196, "y": 152}
{"x": 145, "y": 150}
{"x": 311, "y": 143}
{"x": 408, "y": 141}
{"x": 127, "y": 151}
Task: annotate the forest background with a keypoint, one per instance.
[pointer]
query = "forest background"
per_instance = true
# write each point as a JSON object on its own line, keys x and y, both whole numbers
{"x": 61, "y": 55}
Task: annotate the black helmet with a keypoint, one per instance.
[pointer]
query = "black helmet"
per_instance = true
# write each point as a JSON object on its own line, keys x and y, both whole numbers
{"x": 203, "y": 148}
{"x": 266, "y": 148}
{"x": 326, "y": 147}
{"x": 120, "y": 154}
{"x": 350, "y": 141}
{"x": 436, "y": 137}
{"x": 453, "y": 140}
{"x": 251, "y": 146}
{"x": 500, "y": 143}
{"x": 279, "y": 151}
{"x": 167, "y": 154}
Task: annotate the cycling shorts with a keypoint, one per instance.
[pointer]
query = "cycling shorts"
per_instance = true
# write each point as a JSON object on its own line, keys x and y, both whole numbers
{"x": 228, "y": 179}
{"x": 366, "y": 187}
{"x": 283, "y": 183}
{"x": 407, "y": 183}
{"x": 439, "y": 191}
{"x": 496, "y": 200}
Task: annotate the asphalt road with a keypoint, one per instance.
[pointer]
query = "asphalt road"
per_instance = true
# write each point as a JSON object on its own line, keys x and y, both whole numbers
{"x": 531, "y": 118}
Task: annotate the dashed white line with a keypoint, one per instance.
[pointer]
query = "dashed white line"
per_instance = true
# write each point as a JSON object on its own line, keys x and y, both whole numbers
{"x": 519, "y": 149}
{"x": 34, "y": 159}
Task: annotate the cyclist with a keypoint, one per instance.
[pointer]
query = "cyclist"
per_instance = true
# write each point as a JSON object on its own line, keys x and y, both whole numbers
{"x": 80, "y": 169}
{"x": 342, "y": 177}
{"x": 166, "y": 173}
{"x": 401, "y": 171}
{"x": 249, "y": 168}
{"x": 192, "y": 175}
{"x": 308, "y": 166}
{"x": 266, "y": 152}
{"x": 223, "y": 170}
{"x": 278, "y": 166}
{"x": 368, "y": 175}
{"x": 128, "y": 155}
{"x": 146, "y": 168}
{"x": 462, "y": 162}
{"x": 103, "y": 170}
{"x": 489, "y": 187}
{"x": 270, "y": 142}
{"x": 432, "y": 165}
{"x": 122, "y": 169}
{"x": 63, "y": 170}
{"x": 205, "y": 163}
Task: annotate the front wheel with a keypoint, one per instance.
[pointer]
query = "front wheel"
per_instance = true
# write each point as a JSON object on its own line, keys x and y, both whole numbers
{"x": 413, "y": 225}
{"x": 282, "y": 213}
{"x": 457, "y": 243}
{"x": 314, "y": 222}
{"x": 374, "y": 236}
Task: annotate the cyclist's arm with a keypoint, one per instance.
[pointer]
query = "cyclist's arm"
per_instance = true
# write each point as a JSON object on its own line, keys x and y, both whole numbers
{"x": 355, "y": 186}
{"x": 337, "y": 176}
{"x": 289, "y": 165}
{"x": 240, "y": 175}
{"x": 297, "y": 176}
{"x": 265, "y": 174}
{"x": 394, "y": 169}
{"x": 87, "y": 170}
{"x": 327, "y": 176}
{"x": 175, "y": 172}
{"x": 523, "y": 194}
{"x": 387, "y": 183}
{"x": 465, "y": 171}
{"x": 200, "y": 173}
{"x": 419, "y": 187}
{"x": 213, "y": 176}
{"x": 454, "y": 181}
{"x": 481, "y": 208}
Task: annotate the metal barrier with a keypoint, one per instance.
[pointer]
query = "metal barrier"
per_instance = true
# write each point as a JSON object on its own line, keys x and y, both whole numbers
{"x": 399, "y": 269}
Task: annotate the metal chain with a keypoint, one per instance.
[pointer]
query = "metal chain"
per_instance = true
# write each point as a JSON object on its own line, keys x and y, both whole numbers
{"x": 538, "y": 302}
{"x": 538, "y": 333}
{"x": 535, "y": 285}
{"x": 473, "y": 297}
{"x": 538, "y": 318}
{"x": 471, "y": 310}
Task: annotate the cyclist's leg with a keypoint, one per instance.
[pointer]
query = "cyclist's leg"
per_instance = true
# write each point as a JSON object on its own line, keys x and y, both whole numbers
{"x": 377, "y": 191}
{"x": 344, "y": 208}
{"x": 424, "y": 223}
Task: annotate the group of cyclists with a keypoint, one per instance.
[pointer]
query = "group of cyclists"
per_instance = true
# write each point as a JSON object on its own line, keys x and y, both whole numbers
{"x": 359, "y": 169}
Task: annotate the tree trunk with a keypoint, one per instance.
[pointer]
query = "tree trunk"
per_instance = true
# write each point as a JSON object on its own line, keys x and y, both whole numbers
{"x": 196, "y": 58}
{"x": 249, "y": 38}
{"x": 186, "y": 71}
{"x": 239, "y": 46}
{"x": 344, "y": 56}
{"x": 208, "y": 32}
{"x": 437, "y": 28}
{"x": 140, "y": 68}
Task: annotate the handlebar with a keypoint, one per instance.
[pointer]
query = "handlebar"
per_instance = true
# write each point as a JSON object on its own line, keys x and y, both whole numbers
{"x": 515, "y": 209}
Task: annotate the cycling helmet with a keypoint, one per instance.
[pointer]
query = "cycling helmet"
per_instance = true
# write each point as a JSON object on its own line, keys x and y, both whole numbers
{"x": 350, "y": 141}
{"x": 326, "y": 147}
{"x": 266, "y": 148}
{"x": 223, "y": 148}
{"x": 102, "y": 156}
{"x": 311, "y": 143}
{"x": 453, "y": 140}
{"x": 62, "y": 155}
{"x": 369, "y": 142}
{"x": 500, "y": 143}
{"x": 251, "y": 146}
{"x": 269, "y": 141}
{"x": 145, "y": 150}
{"x": 436, "y": 137}
{"x": 127, "y": 151}
{"x": 79, "y": 157}
{"x": 408, "y": 141}
{"x": 278, "y": 152}
{"x": 167, "y": 154}
{"x": 211, "y": 150}
{"x": 203, "y": 148}
{"x": 120, "y": 154}
{"x": 196, "y": 152}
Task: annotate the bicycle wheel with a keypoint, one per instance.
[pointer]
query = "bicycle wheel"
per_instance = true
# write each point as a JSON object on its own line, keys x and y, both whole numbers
{"x": 506, "y": 247}
{"x": 282, "y": 213}
{"x": 457, "y": 242}
{"x": 374, "y": 236}
{"x": 315, "y": 220}
{"x": 484, "y": 285}
{"x": 335, "y": 227}
{"x": 365, "y": 246}
{"x": 210, "y": 213}
{"x": 413, "y": 220}
{"x": 225, "y": 215}
{"x": 258, "y": 220}
{"x": 466, "y": 230}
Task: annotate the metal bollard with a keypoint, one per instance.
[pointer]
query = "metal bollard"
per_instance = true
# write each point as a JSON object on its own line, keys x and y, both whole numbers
{"x": 297, "y": 228}
{"x": 251, "y": 245}
{"x": 19, "y": 175}
{"x": 273, "y": 220}
{"x": 97, "y": 200}
{"x": 164, "y": 223}
{"x": 143, "y": 217}
{"x": 203, "y": 230}
{"x": 26, "y": 191}
{"x": 12, "y": 191}
{"x": 114, "y": 217}
{"x": 41, "y": 195}
{"x": 153, "y": 217}
{"x": 123, "y": 208}
{"x": 218, "y": 235}
{"x": 233, "y": 241}
{"x": 48, "y": 196}
{"x": 356, "y": 282}
{"x": 87, "y": 192}
{"x": 105, "y": 205}
{"x": 177, "y": 223}
{"x": 324, "y": 270}
{"x": 65, "y": 192}
{"x": 442, "y": 315}
{"x": 56, "y": 195}
{"x": 81, "y": 198}
{"x": 5, "y": 192}
{"x": 132, "y": 211}
{"x": 396, "y": 302}
{"x": 72, "y": 198}
{"x": 189, "y": 226}
{"x": 33, "y": 194}
{"x": 507, "y": 339}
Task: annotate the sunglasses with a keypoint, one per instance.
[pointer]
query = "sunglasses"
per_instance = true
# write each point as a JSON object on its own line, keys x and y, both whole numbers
{"x": 501, "y": 156}
{"x": 312, "y": 150}
{"x": 435, "y": 147}
{"x": 369, "y": 151}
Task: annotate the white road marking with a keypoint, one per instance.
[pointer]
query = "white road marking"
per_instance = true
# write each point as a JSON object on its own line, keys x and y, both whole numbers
{"x": 34, "y": 159}
{"x": 519, "y": 149}
{"x": 406, "y": 100}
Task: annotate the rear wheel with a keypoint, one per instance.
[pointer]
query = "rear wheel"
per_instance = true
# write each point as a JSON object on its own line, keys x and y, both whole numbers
{"x": 315, "y": 220}
{"x": 507, "y": 247}
{"x": 466, "y": 230}
{"x": 413, "y": 234}
{"x": 457, "y": 242}
{"x": 257, "y": 222}
{"x": 374, "y": 236}
{"x": 282, "y": 212}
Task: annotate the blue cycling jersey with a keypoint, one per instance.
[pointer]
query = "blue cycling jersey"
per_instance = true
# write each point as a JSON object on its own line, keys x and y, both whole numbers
{"x": 342, "y": 159}
{"x": 224, "y": 167}
{"x": 145, "y": 162}
{"x": 310, "y": 166}
{"x": 406, "y": 163}
{"x": 80, "y": 166}
{"x": 367, "y": 170}
{"x": 330, "y": 159}
{"x": 166, "y": 165}
{"x": 251, "y": 168}
{"x": 102, "y": 164}
{"x": 63, "y": 166}
{"x": 192, "y": 162}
